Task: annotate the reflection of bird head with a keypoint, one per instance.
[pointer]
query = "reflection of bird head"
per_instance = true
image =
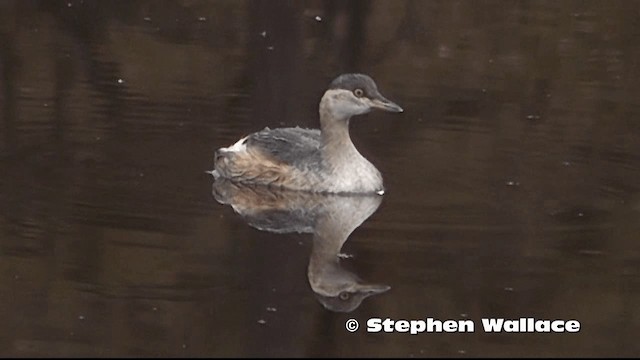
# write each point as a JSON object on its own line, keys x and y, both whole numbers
{"x": 341, "y": 290}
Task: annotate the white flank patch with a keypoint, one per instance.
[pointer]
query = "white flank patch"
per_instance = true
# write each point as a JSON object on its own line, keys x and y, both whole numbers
{"x": 238, "y": 146}
{"x": 380, "y": 192}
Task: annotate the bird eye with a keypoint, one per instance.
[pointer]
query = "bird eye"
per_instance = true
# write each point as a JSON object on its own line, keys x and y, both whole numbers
{"x": 358, "y": 92}
{"x": 345, "y": 295}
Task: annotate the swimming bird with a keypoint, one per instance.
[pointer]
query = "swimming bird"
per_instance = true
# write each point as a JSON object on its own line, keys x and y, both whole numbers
{"x": 321, "y": 160}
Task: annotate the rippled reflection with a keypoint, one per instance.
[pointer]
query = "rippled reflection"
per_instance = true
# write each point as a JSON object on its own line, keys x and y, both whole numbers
{"x": 330, "y": 218}
{"x": 513, "y": 177}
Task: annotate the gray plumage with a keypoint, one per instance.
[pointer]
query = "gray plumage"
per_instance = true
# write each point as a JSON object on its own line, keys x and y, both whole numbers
{"x": 295, "y": 146}
{"x": 323, "y": 161}
{"x": 356, "y": 81}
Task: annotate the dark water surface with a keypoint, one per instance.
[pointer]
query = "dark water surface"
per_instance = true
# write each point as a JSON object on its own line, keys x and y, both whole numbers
{"x": 513, "y": 177}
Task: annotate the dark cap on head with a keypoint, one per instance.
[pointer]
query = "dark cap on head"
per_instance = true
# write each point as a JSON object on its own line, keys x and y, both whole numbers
{"x": 355, "y": 81}
{"x": 351, "y": 82}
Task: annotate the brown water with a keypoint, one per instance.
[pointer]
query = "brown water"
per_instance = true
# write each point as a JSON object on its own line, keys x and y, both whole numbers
{"x": 512, "y": 177}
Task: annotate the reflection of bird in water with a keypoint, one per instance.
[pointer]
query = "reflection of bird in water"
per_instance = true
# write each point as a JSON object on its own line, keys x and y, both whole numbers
{"x": 331, "y": 219}
{"x": 322, "y": 160}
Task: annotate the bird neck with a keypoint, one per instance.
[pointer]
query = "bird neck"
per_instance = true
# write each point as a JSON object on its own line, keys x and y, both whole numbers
{"x": 324, "y": 270}
{"x": 336, "y": 143}
{"x": 336, "y": 220}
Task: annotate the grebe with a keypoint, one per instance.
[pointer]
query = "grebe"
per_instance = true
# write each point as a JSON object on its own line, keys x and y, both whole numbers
{"x": 325, "y": 160}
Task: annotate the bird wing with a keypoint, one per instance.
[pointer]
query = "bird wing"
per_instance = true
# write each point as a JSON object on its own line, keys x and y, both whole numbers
{"x": 294, "y": 146}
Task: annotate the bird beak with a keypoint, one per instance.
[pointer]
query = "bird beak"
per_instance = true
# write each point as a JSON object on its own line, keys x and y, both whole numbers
{"x": 371, "y": 289}
{"x": 382, "y": 103}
